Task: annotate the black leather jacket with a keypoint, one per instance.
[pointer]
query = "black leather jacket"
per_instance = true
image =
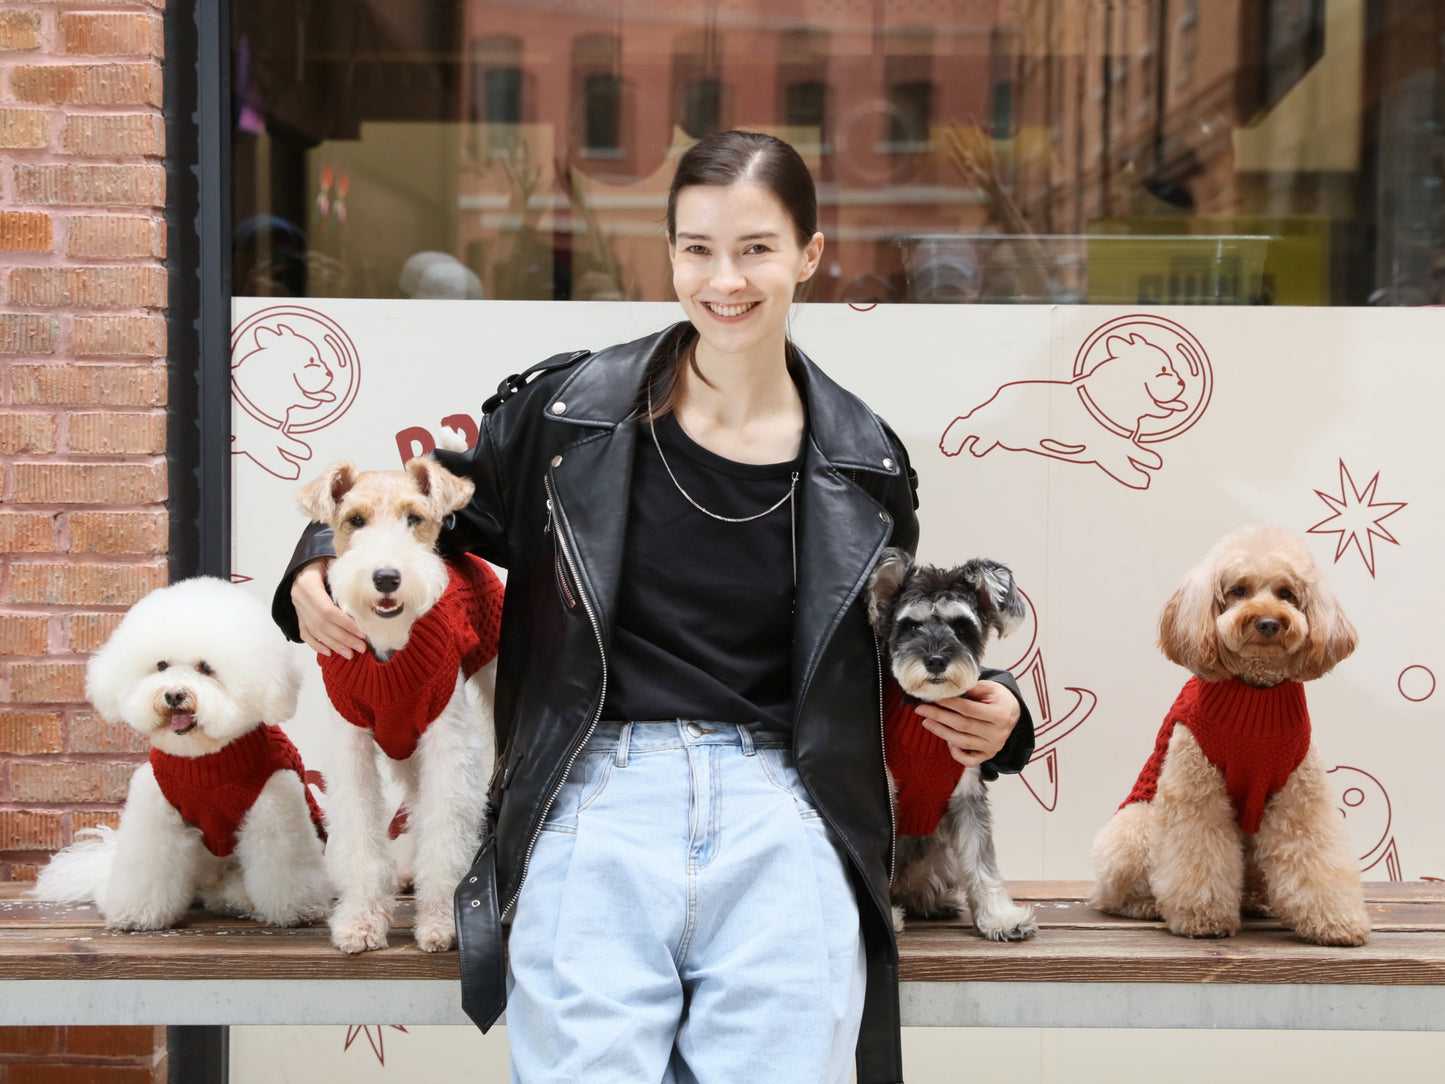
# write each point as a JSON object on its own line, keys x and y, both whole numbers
{"x": 552, "y": 468}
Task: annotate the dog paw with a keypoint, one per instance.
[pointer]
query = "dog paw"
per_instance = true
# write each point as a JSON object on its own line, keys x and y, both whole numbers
{"x": 435, "y": 928}
{"x": 1133, "y": 907}
{"x": 897, "y": 919}
{"x": 1016, "y": 923}
{"x": 299, "y": 913}
{"x": 360, "y": 929}
{"x": 1203, "y": 925}
{"x": 1347, "y": 931}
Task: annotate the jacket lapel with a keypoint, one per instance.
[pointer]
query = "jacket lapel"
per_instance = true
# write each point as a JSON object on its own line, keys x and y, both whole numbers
{"x": 596, "y": 465}
{"x": 841, "y": 531}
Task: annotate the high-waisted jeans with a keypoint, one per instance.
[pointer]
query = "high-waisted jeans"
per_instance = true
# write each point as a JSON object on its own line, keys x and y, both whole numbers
{"x": 686, "y": 916}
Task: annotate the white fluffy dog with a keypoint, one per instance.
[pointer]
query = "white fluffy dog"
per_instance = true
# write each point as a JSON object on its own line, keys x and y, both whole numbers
{"x": 220, "y": 811}
{"x": 422, "y": 695}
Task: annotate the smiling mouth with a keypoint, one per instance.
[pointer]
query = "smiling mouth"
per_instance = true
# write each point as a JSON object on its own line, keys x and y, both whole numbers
{"x": 730, "y": 312}
{"x": 182, "y": 722}
{"x": 387, "y": 607}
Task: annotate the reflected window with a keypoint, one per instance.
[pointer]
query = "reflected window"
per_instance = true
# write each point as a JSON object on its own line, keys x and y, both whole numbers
{"x": 803, "y": 84}
{"x": 498, "y": 88}
{"x": 697, "y": 85}
{"x": 597, "y": 94}
{"x": 908, "y": 72}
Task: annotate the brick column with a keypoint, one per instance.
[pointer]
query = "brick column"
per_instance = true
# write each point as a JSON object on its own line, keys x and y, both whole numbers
{"x": 82, "y": 440}
{"x": 82, "y": 396}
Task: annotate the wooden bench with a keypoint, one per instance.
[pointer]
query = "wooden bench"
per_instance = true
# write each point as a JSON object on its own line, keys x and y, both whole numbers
{"x": 59, "y": 965}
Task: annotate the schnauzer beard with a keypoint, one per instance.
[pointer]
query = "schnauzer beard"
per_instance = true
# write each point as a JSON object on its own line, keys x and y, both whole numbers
{"x": 960, "y": 675}
{"x": 423, "y": 579}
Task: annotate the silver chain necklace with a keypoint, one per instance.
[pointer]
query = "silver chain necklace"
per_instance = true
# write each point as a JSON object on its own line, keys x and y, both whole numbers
{"x": 787, "y": 498}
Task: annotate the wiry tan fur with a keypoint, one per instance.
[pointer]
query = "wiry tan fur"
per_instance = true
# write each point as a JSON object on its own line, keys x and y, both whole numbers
{"x": 1183, "y": 857}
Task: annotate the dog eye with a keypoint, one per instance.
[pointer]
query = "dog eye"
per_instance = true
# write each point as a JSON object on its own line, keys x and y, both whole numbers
{"x": 357, "y": 520}
{"x": 162, "y": 665}
{"x": 412, "y": 519}
{"x": 1284, "y": 594}
{"x": 1239, "y": 591}
{"x": 206, "y": 668}
{"x": 961, "y": 628}
{"x": 907, "y": 625}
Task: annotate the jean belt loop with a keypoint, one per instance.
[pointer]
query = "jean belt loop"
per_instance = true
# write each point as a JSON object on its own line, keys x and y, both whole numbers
{"x": 624, "y": 742}
{"x": 746, "y": 737}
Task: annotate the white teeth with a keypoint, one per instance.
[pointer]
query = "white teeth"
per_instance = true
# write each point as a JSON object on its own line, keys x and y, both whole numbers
{"x": 730, "y": 310}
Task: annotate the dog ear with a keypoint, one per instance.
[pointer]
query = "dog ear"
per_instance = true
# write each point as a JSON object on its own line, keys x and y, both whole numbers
{"x": 998, "y": 596}
{"x": 1187, "y": 633}
{"x": 444, "y": 491}
{"x": 319, "y": 497}
{"x": 1332, "y": 635}
{"x": 892, "y": 569}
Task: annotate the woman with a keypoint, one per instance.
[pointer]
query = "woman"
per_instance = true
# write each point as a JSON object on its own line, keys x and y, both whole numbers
{"x": 687, "y": 522}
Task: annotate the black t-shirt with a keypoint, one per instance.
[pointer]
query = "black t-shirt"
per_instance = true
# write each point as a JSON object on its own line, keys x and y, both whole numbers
{"x": 704, "y": 625}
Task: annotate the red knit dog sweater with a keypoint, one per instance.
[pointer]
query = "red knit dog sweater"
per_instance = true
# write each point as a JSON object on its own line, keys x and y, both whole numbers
{"x": 924, "y": 772}
{"x": 1255, "y": 737}
{"x": 215, "y": 792}
{"x": 399, "y": 698}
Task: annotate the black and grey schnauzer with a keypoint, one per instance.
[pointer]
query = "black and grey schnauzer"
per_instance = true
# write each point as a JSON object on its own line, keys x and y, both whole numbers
{"x": 934, "y": 623}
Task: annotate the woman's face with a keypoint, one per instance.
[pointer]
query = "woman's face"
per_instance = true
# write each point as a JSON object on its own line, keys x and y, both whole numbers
{"x": 735, "y": 264}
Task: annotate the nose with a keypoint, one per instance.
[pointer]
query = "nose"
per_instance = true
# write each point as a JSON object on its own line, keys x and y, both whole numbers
{"x": 175, "y": 697}
{"x": 1267, "y": 626}
{"x": 936, "y": 663}
{"x": 727, "y": 277}
{"x": 386, "y": 580}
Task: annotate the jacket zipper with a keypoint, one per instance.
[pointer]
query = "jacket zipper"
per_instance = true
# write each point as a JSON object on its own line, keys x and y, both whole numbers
{"x": 562, "y": 586}
{"x": 601, "y": 698}
{"x": 883, "y": 746}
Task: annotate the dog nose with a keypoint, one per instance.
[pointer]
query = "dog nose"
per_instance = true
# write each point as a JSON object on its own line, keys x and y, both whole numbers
{"x": 386, "y": 580}
{"x": 175, "y": 697}
{"x": 936, "y": 663}
{"x": 1267, "y": 626}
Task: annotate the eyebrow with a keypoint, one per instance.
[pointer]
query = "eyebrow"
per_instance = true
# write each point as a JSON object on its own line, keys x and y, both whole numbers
{"x": 765, "y": 236}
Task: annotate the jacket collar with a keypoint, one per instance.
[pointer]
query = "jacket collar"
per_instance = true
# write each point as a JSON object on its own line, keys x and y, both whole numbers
{"x": 605, "y": 388}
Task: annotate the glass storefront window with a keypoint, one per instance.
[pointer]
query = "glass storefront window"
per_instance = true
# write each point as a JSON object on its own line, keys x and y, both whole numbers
{"x": 1123, "y": 152}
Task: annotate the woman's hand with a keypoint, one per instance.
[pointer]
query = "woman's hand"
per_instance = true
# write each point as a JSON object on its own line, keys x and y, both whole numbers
{"x": 975, "y": 725}
{"x": 324, "y": 628}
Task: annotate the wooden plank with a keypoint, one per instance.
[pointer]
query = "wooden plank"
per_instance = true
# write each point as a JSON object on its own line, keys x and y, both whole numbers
{"x": 1075, "y": 945}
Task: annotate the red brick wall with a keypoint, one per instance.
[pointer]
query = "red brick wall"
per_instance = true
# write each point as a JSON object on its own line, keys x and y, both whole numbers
{"x": 82, "y": 401}
{"x": 82, "y": 441}
{"x": 65, "y": 1055}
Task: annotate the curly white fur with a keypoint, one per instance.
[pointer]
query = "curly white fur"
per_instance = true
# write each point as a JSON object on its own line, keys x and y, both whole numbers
{"x": 192, "y": 667}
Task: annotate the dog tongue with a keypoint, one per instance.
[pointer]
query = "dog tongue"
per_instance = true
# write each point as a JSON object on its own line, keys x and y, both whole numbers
{"x": 182, "y": 721}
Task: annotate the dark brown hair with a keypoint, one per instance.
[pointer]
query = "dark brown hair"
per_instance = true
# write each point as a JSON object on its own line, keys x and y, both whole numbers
{"x": 725, "y": 158}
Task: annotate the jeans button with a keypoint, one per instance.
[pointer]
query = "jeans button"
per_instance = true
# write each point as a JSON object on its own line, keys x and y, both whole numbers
{"x": 695, "y": 730}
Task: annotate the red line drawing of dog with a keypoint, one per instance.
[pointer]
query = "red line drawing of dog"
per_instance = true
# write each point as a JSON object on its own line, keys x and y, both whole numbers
{"x": 285, "y": 372}
{"x": 1095, "y": 418}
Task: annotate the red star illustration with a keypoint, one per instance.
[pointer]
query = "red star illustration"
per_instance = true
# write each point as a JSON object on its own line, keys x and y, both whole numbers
{"x": 1357, "y": 517}
{"x": 378, "y": 1044}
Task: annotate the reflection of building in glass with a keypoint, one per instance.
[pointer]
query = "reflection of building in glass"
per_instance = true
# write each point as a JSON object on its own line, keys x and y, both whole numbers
{"x": 1158, "y": 150}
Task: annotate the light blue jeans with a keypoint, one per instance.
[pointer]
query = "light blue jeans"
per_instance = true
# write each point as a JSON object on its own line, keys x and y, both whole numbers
{"x": 687, "y": 916}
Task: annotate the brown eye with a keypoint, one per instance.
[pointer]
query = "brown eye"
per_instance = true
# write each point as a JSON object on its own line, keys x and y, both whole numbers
{"x": 412, "y": 519}
{"x": 162, "y": 665}
{"x": 1284, "y": 594}
{"x": 206, "y": 668}
{"x": 1239, "y": 591}
{"x": 357, "y": 520}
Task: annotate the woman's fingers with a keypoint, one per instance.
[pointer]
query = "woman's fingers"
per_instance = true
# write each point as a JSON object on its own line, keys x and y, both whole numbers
{"x": 975, "y": 725}
{"x": 324, "y": 628}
